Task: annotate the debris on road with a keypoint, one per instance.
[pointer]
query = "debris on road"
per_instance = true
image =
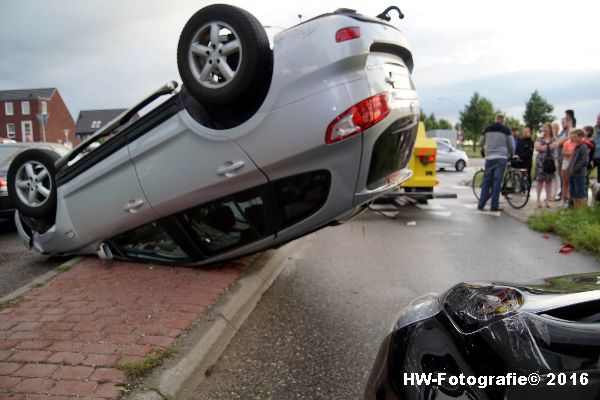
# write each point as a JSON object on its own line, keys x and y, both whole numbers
{"x": 567, "y": 249}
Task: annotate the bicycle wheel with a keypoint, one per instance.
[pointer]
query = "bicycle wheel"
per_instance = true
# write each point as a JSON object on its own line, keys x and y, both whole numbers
{"x": 517, "y": 190}
{"x": 477, "y": 183}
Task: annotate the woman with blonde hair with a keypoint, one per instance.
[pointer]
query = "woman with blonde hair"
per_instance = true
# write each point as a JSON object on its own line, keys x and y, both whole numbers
{"x": 545, "y": 165}
{"x": 555, "y": 129}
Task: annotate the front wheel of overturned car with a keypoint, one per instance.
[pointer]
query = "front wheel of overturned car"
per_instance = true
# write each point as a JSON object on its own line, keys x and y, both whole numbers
{"x": 224, "y": 55}
{"x": 31, "y": 183}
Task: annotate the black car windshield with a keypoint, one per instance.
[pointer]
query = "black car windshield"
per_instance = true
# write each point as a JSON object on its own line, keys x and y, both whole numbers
{"x": 6, "y": 153}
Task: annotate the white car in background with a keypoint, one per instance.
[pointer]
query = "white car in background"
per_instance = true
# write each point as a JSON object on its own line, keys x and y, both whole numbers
{"x": 449, "y": 156}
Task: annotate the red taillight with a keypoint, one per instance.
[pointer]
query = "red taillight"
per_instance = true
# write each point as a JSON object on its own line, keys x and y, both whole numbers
{"x": 426, "y": 155}
{"x": 2, "y": 183}
{"x": 352, "y": 32}
{"x": 427, "y": 159}
{"x": 358, "y": 118}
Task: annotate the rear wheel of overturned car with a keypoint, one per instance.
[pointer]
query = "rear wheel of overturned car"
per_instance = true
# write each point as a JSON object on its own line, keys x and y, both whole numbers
{"x": 224, "y": 55}
{"x": 31, "y": 183}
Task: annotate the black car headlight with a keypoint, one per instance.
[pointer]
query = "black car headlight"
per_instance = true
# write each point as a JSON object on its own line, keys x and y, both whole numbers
{"x": 419, "y": 309}
{"x": 471, "y": 306}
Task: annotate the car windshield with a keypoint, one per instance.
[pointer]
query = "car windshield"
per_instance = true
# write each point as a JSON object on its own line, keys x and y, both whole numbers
{"x": 6, "y": 153}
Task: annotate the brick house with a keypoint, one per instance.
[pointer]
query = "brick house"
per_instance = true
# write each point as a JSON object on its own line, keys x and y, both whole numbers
{"x": 89, "y": 121}
{"x": 21, "y": 114}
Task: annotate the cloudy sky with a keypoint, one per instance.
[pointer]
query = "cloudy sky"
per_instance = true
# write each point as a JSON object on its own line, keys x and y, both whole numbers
{"x": 111, "y": 53}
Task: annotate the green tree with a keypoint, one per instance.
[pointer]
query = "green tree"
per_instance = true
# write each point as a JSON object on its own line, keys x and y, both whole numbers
{"x": 475, "y": 117}
{"x": 537, "y": 111}
{"x": 512, "y": 122}
{"x": 430, "y": 122}
{"x": 443, "y": 124}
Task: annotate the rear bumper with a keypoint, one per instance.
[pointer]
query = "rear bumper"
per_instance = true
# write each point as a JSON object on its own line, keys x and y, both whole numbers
{"x": 386, "y": 153}
{"x": 420, "y": 181}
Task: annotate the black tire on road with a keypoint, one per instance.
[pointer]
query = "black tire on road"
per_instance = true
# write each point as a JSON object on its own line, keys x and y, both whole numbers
{"x": 39, "y": 159}
{"x": 460, "y": 165}
{"x": 250, "y": 67}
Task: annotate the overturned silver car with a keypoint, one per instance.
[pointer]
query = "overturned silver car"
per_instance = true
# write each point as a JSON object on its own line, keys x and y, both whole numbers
{"x": 260, "y": 146}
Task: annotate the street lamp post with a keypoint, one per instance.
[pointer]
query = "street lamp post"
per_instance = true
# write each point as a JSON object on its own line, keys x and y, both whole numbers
{"x": 43, "y": 119}
{"x": 455, "y": 106}
{"x": 457, "y": 116}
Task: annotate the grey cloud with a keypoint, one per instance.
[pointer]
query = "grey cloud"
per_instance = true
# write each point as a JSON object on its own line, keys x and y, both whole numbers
{"x": 512, "y": 90}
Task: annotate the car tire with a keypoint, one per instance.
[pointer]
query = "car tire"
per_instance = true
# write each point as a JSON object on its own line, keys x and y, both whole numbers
{"x": 460, "y": 165}
{"x": 32, "y": 183}
{"x": 238, "y": 67}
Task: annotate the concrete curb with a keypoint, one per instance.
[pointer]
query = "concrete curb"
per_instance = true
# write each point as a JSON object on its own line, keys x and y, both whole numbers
{"x": 40, "y": 280}
{"x": 214, "y": 330}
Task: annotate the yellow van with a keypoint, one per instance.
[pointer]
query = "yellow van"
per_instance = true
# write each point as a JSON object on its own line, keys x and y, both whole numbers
{"x": 422, "y": 163}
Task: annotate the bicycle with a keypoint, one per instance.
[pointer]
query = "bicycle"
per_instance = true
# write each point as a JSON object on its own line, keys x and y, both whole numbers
{"x": 515, "y": 186}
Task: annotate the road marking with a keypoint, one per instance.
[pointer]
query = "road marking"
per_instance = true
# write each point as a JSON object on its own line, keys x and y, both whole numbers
{"x": 431, "y": 207}
{"x": 490, "y": 213}
{"x": 445, "y": 214}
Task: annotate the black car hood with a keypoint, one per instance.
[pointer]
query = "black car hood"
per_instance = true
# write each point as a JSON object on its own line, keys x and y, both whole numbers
{"x": 472, "y": 305}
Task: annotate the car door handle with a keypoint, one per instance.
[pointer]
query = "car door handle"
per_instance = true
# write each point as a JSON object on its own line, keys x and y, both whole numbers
{"x": 230, "y": 167}
{"x": 133, "y": 206}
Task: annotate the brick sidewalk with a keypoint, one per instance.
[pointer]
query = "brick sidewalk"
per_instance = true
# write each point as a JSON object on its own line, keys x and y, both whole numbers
{"x": 66, "y": 339}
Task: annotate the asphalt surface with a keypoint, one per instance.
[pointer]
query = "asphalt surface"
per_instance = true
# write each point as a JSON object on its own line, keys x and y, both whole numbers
{"x": 18, "y": 265}
{"x": 316, "y": 331}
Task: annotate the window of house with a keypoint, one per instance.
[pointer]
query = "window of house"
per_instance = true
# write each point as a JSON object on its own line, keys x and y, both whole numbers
{"x": 96, "y": 124}
{"x": 25, "y": 107}
{"x": 10, "y": 131}
{"x": 27, "y": 128}
{"x": 44, "y": 107}
{"x": 8, "y": 108}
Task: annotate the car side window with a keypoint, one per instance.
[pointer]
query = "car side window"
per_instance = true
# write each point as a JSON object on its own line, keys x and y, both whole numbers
{"x": 229, "y": 222}
{"x": 150, "y": 242}
{"x": 299, "y": 196}
{"x": 443, "y": 146}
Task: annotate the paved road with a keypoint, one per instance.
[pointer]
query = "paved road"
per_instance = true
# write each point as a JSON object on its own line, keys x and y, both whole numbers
{"x": 18, "y": 265}
{"x": 315, "y": 333}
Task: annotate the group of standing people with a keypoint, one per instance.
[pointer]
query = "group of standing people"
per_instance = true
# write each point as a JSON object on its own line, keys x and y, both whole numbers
{"x": 569, "y": 154}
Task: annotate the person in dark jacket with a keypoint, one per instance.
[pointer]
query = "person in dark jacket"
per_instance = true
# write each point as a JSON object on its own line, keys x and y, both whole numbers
{"x": 589, "y": 142}
{"x": 516, "y": 139}
{"x": 571, "y": 115}
{"x": 497, "y": 145}
{"x": 578, "y": 169}
{"x": 596, "y": 140}
{"x": 525, "y": 152}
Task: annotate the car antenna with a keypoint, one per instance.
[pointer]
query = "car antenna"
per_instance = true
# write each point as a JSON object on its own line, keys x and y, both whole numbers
{"x": 386, "y": 16}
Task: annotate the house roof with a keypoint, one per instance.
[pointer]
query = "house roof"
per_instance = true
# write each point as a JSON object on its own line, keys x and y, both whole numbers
{"x": 26, "y": 94}
{"x": 89, "y": 121}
